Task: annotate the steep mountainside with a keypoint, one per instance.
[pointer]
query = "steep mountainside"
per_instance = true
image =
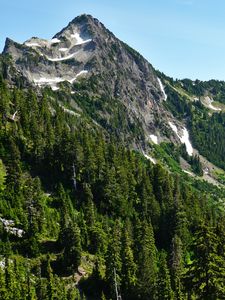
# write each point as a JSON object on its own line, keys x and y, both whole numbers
{"x": 122, "y": 84}
{"x": 102, "y": 168}
{"x": 92, "y": 73}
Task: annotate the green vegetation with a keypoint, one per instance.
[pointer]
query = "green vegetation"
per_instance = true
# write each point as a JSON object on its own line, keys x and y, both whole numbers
{"x": 206, "y": 129}
{"x": 209, "y": 137}
{"x": 80, "y": 198}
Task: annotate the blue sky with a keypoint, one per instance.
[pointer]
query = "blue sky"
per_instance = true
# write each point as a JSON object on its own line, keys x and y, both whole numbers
{"x": 182, "y": 38}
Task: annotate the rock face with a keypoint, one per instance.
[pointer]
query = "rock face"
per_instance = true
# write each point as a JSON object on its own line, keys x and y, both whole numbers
{"x": 85, "y": 48}
{"x": 63, "y": 58}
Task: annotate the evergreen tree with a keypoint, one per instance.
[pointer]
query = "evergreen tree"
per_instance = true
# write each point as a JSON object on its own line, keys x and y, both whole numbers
{"x": 129, "y": 267}
{"x": 147, "y": 263}
{"x": 72, "y": 247}
{"x": 177, "y": 268}
{"x": 113, "y": 259}
{"x": 206, "y": 273}
{"x": 164, "y": 284}
{"x": 50, "y": 280}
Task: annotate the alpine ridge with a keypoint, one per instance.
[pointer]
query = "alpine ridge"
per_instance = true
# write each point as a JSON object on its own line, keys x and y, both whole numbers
{"x": 86, "y": 49}
{"x": 99, "y": 75}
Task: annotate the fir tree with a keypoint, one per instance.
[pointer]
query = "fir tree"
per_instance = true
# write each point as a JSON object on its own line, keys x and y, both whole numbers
{"x": 114, "y": 260}
{"x": 147, "y": 263}
{"x": 164, "y": 283}
{"x": 206, "y": 273}
{"x": 129, "y": 267}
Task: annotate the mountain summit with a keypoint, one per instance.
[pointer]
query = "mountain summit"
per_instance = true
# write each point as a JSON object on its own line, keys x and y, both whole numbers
{"x": 63, "y": 58}
{"x": 86, "y": 49}
{"x": 88, "y": 70}
{"x": 84, "y": 46}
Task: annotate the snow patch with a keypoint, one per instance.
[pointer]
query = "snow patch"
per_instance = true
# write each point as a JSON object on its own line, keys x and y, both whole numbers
{"x": 187, "y": 172}
{"x": 63, "y": 49}
{"x": 35, "y": 42}
{"x": 54, "y": 88}
{"x": 209, "y": 104}
{"x": 174, "y": 128}
{"x": 149, "y": 158}
{"x": 68, "y": 111}
{"x": 52, "y": 82}
{"x": 49, "y": 81}
{"x": 214, "y": 108}
{"x": 62, "y": 58}
{"x": 184, "y": 138}
{"x": 162, "y": 88}
{"x": 32, "y": 44}
{"x": 44, "y": 80}
{"x": 79, "y": 40}
{"x": 154, "y": 138}
{"x": 78, "y": 74}
{"x": 55, "y": 41}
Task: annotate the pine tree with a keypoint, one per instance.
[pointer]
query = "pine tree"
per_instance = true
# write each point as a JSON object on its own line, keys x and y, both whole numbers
{"x": 39, "y": 286}
{"x": 18, "y": 280}
{"x": 97, "y": 239}
{"x": 147, "y": 264}
{"x": 50, "y": 280}
{"x": 164, "y": 284}
{"x": 206, "y": 274}
{"x": 177, "y": 267}
{"x": 149, "y": 207}
{"x": 129, "y": 267}
{"x": 72, "y": 247}
{"x": 88, "y": 205}
{"x": 113, "y": 259}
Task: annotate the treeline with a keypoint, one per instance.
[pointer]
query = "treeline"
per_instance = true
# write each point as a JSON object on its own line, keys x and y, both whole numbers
{"x": 206, "y": 131}
{"x": 199, "y": 88}
{"x": 75, "y": 192}
{"x": 208, "y": 136}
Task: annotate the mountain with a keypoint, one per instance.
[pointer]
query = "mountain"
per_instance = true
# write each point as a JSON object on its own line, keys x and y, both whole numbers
{"x": 97, "y": 74}
{"x": 85, "y": 49}
{"x": 111, "y": 173}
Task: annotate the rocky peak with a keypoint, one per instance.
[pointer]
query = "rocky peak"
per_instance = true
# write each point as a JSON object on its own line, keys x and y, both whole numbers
{"x": 8, "y": 44}
{"x": 84, "y": 24}
{"x": 85, "y": 48}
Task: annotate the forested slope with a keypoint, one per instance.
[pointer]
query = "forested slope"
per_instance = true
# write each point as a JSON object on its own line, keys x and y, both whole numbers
{"x": 72, "y": 196}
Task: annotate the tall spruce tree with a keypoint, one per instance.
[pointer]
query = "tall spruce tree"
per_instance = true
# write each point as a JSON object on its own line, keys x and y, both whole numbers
{"x": 206, "y": 274}
{"x": 113, "y": 260}
{"x": 129, "y": 267}
{"x": 177, "y": 267}
{"x": 147, "y": 263}
{"x": 164, "y": 290}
